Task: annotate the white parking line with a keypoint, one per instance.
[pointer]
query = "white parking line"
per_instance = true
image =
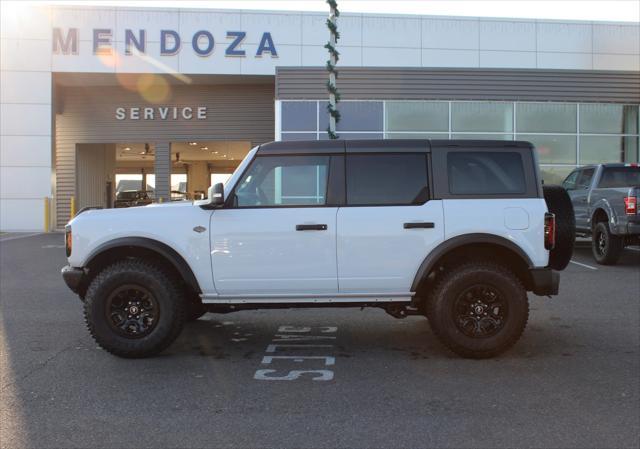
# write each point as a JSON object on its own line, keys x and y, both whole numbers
{"x": 583, "y": 265}
{"x": 633, "y": 249}
{"x": 16, "y": 237}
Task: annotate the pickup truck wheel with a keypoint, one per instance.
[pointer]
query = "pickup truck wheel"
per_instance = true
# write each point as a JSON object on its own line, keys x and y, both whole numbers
{"x": 478, "y": 310}
{"x": 607, "y": 248}
{"x": 133, "y": 309}
{"x": 559, "y": 204}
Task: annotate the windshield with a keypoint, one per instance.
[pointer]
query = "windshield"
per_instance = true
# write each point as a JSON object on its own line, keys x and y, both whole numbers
{"x": 620, "y": 177}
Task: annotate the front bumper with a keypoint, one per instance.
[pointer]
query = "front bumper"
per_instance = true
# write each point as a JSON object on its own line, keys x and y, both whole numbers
{"x": 74, "y": 278}
{"x": 544, "y": 281}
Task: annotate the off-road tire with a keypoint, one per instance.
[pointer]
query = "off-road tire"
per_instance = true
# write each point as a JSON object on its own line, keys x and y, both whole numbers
{"x": 559, "y": 204}
{"x": 166, "y": 292}
{"x": 613, "y": 245}
{"x": 441, "y": 314}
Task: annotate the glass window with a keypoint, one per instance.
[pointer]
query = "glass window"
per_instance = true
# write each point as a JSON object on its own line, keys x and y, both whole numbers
{"x": 284, "y": 181}
{"x": 486, "y": 116}
{"x": 354, "y": 116}
{"x": 386, "y": 179}
{"x": 602, "y": 149}
{"x": 299, "y": 115}
{"x": 556, "y": 174}
{"x": 444, "y": 136}
{"x": 298, "y": 136}
{"x": 485, "y": 173}
{"x": 614, "y": 177}
{"x": 584, "y": 180}
{"x": 608, "y": 119}
{"x": 553, "y": 149}
{"x": 546, "y": 118}
{"x": 570, "y": 182}
{"x": 483, "y": 136}
{"x": 417, "y": 116}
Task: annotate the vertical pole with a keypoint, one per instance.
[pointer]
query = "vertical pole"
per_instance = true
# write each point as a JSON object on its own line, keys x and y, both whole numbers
{"x": 334, "y": 97}
{"x": 162, "y": 166}
{"x": 72, "y": 212}
{"x": 47, "y": 214}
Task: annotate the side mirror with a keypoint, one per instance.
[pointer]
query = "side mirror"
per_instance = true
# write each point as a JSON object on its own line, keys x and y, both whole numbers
{"x": 216, "y": 195}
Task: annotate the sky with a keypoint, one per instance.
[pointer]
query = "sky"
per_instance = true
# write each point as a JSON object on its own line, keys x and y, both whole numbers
{"x": 596, "y": 10}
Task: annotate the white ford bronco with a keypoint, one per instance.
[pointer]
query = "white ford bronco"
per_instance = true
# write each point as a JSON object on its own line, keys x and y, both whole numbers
{"x": 455, "y": 230}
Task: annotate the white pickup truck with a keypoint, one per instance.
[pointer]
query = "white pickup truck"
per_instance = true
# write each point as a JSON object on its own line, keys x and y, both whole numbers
{"x": 458, "y": 231}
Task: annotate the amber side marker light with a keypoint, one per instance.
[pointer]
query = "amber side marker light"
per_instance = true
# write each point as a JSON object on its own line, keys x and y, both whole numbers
{"x": 68, "y": 241}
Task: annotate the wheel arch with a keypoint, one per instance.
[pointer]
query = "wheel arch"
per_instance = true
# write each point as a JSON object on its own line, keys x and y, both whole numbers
{"x": 472, "y": 245}
{"x": 599, "y": 214}
{"x": 146, "y": 248}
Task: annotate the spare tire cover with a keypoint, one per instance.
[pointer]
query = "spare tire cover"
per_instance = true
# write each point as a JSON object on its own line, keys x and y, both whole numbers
{"x": 559, "y": 204}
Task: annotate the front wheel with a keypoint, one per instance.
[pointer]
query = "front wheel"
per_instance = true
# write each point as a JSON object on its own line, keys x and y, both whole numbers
{"x": 478, "y": 310}
{"x": 134, "y": 309}
{"x": 606, "y": 247}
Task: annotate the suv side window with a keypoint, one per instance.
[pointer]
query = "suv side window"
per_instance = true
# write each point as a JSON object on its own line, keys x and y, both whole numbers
{"x": 570, "y": 181}
{"x": 386, "y": 179}
{"x": 276, "y": 181}
{"x": 485, "y": 173}
{"x": 584, "y": 180}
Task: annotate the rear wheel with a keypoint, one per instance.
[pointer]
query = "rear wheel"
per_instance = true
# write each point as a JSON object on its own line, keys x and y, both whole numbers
{"x": 478, "y": 310}
{"x": 134, "y": 309}
{"x": 606, "y": 247}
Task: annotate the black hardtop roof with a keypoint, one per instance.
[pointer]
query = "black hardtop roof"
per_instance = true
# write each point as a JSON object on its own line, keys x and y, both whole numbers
{"x": 382, "y": 146}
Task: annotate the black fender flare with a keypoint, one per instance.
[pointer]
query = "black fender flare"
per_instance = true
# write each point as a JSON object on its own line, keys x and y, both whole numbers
{"x": 164, "y": 250}
{"x": 459, "y": 241}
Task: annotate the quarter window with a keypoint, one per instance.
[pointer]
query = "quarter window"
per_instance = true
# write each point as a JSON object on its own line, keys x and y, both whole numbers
{"x": 386, "y": 179}
{"x": 273, "y": 181}
{"x": 485, "y": 173}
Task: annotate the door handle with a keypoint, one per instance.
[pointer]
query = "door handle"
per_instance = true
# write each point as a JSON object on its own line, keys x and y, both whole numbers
{"x": 311, "y": 227}
{"x": 419, "y": 224}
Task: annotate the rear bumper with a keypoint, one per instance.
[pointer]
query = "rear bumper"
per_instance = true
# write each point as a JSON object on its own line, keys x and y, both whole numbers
{"x": 633, "y": 228}
{"x": 74, "y": 278}
{"x": 544, "y": 281}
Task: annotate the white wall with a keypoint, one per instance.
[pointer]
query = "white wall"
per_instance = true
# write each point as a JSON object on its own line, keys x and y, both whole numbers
{"x": 25, "y": 117}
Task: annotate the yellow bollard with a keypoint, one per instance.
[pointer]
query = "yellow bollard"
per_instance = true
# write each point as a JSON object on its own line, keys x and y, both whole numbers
{"x": 47, "y": 214}
{"x": 72, "y": 213}
{"x": 160, "y": 200}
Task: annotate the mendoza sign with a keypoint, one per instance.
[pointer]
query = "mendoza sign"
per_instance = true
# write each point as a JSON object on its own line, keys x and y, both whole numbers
{"x": 65, "y": 42}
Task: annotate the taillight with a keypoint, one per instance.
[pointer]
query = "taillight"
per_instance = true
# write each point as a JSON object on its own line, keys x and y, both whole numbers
{"x": 549, "y": 231}
{"x": 68, "y": 241}
{"x": 631, "y": 205}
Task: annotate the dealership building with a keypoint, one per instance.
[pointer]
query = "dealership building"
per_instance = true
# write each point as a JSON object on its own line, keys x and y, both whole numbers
{"x": 97, "y": 101}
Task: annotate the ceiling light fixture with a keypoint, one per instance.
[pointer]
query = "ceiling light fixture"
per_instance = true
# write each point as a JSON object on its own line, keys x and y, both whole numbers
{"x": 127, "y": 149}
{"x": 204, "y": 148}
{"x": 193, "y": 144}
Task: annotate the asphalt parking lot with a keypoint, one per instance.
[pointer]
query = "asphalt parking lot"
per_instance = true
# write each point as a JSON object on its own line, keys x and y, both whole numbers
{"x": 573, "y": 380}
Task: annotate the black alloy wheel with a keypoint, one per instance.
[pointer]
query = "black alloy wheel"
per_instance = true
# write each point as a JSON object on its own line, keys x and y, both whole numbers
{"x": 132, "y": 311}
{"x": 480, "y": 311}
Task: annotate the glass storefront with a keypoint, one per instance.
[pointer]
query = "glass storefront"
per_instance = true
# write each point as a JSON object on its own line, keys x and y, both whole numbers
{"x": 566, "y": 135}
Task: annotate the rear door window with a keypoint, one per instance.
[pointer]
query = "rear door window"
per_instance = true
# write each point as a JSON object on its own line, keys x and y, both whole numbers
{"x": 485, "y": 173}
{"x": 584, "y": 180}
{"x": 386, "y": 179}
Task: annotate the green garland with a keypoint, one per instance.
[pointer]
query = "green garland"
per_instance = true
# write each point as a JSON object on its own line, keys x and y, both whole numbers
{"x": 331, "y": 67}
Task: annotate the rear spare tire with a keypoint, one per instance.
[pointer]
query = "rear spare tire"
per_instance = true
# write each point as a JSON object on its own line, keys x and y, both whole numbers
{"x": 559, "y": 204}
